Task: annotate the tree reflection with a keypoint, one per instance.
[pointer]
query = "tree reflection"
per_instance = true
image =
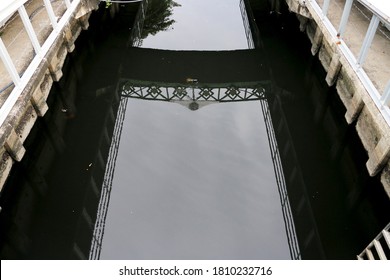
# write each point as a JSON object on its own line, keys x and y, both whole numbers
{"x": 157, "y": 17}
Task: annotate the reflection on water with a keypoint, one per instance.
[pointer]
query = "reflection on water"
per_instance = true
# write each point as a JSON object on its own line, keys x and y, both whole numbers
{"x": 186, "y": 185}
{"x": 194, "y": 95}
{"x": 190, "y": 184}
{"x": 158, "y": 17}
{"x": 193, "y": 184}
{"x": 338, "y": 208}
{"x": 202, "y": 25}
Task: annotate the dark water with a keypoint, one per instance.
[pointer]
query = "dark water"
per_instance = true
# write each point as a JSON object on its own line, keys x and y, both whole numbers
{"x": 191, "y": 184}
{"x": 195, "y": 185}
{"x": 323, "y": 158}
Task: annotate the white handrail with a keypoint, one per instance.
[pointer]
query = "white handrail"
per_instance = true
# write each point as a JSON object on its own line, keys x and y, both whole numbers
{"x": 380, "y": 10}
{"x": 8, "y": 8}
{"x": 13, "y": 97}
{"x": 377, "y": 246}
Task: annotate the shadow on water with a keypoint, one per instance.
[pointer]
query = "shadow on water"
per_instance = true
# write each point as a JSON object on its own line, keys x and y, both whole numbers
{"x": 50, "y": 202}
{"x": 338, "y": 208}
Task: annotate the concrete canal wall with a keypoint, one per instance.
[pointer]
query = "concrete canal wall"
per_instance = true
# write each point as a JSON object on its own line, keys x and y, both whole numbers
{"x": 31, "y": 102}
{"x": 361, "y": 110}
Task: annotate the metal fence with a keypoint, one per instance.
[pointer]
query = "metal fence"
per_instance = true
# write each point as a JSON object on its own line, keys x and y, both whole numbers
{"x": 18, "y": 69}
{"x": 361, "y": 31}
{"x": 379, "y": 248}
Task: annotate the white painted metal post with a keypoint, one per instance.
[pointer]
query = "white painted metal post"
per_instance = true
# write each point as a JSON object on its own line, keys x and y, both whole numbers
{"x": 50, "y": 12}
{"x": 344, "y": 17}
{"x": 67, "y": 3}
{"x": 325, "y": 7}
{"x": 385, "y": 99}
{"x": 368, "y": 39}
{"x": 29, "y": 28}
{"x": 9, "y": 65}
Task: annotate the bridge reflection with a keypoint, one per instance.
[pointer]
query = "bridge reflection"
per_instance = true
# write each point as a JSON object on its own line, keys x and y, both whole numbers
{"x": 309, "y": 236}
{"x": 193, "y": 94}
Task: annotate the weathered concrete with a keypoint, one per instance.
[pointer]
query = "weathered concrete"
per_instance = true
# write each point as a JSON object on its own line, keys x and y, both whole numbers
{"x": 372, "y": 128}
{"x": 32, "y": 101}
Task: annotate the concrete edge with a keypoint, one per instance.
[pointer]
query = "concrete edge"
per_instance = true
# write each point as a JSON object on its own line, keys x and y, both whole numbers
{"x": 362, "y": 112}
{"x": 32, "y": 101}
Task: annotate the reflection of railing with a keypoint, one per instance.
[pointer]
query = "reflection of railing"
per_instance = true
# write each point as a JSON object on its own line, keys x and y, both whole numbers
{"x": 280, "y": 180}
{"x": 294, "y": 196}
{"x": 210, "y": 93}
{"x": 193, "y": 95}
{"x": 379, "y": 248}
{"x": 162, "y": 92}
{"x": 247, "y": 27}
{"x": 195, "y": 91}
{"x": 98, "y": 233}
{"x": 97, "y": 238}
{"x": 136, "y": 32}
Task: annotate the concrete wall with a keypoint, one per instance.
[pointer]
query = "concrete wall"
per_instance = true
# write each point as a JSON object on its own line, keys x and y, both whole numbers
{"x": 32, "y": 102}
{"x": 362, "y": 113}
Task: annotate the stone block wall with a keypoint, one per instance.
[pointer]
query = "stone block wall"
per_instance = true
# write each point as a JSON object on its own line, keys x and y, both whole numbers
{"x": 31, "y": 104}
{"x": 362, "y": 112}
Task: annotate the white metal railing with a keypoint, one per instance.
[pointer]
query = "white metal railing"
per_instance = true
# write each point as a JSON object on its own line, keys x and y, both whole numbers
{"x": 380, "y": 13}
{"x": 20, "y": 81}
{"x": 379, "y": 248}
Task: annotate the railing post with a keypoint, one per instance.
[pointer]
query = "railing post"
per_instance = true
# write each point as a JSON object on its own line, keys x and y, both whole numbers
{"x": 385, "y": 99}
{"x": 67, "y": 3}
{"x": 344, "y": 17}
{"x": 29, "y": 28}
{"x": 368, "y": 39}
{"x": 50, "y": 12}
{"x": 325, "y": 7}
{"x": 9, "y": 65}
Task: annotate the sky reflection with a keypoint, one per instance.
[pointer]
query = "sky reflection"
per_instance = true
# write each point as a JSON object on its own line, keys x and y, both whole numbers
{"x": 202, "y": 25}
{"x": 195, "y": 184}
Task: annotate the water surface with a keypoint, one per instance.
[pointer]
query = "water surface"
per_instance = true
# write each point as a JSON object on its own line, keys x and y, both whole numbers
{"x": 195, "y": 184}
{"x": 191, "y": 184}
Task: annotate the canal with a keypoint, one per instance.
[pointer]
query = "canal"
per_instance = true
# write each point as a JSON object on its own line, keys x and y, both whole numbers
{"x": 167, "y": 182}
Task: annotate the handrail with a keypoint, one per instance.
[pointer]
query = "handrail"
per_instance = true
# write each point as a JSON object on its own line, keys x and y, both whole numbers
{"x": 381, "y": 101}
{"x": 378, "y": 7}
{"x": 8, "y": 9}
{"x": 22, "y": 81}
{"x": 377, "y": 246}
